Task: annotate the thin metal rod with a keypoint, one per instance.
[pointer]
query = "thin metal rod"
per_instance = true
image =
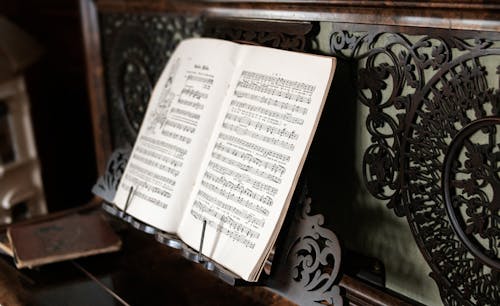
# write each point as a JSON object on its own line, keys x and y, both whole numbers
{"x": 202, "y": 238}
{"x": 92, "y": 277}
{"x": 129, "y": 198}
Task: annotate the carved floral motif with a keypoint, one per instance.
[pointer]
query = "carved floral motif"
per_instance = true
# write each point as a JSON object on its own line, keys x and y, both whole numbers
{"x": 107, "y": 184}
{"x": 287, "y": 36}
{"x": 433, "y": 107}
{"x": 308, "y": 268}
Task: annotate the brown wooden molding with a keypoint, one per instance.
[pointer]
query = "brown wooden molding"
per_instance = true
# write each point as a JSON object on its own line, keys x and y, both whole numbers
{"x": 460, "y": 15}
{"x": 459, "y": 4}
{"x": 360, "y": 293}
{"x": 410, "y": 4}
{"x": 95, "y": 83}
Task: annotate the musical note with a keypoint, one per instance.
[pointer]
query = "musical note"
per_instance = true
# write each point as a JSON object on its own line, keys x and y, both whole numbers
{"x": 233, "y": 235}
{"x": 138, "y": 170}
{"x": 286, "y": 106}
{"x": 270, "y": 140}
{"x": 141, "y": 195}
{"x": 250, "y": 76}
{"x": 195, "y": 105}
{"x": 242, "y": 177}
{"x": 185, "y": 113}
{"x": 267, "y": 112}
{"x": 150, "y": 199}
{"x": 250, "y": 159}
{"x": 254, "y": 147}
{"x": 238, "y": 189}
{"x": 179, "y": 152}
{"x": 230, "y": 195}
{"x": 196, "y": 94}
{"x": 236, "y": 226}
{"x": 276, "y": 86}
{"x": 200, "y": 79}
{"x": 161, "y": 157}
{"x": 249, "y": 218}
{"x": 259, "y": 126}
{"x": 176, "y": 136}
{"x": 180, "y": 126}
{"x": 246, "y": 167}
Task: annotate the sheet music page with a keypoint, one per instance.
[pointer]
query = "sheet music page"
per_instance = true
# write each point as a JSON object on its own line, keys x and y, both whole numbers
{"x": 248, "y": 179}
{"x": 174, "y": 134}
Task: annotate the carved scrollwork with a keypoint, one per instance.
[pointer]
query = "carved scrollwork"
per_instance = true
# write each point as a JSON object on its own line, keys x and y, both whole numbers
{"x": 107, "y": 184}
{"x": 307, "y": 270}
{"x": 472, "y": 187}
{"x": 136, "y": 49}
{"x": 433, "y": 114}
{"x": 380, "y": 86}
{"x": 287, "y": 36}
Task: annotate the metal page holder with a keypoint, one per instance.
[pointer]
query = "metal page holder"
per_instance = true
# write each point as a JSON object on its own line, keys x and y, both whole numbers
{"x": 305, "y": 265}
{"x": 174, "y": 242}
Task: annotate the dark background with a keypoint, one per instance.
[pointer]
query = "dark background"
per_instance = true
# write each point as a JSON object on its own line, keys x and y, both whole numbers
{"x": 58, "y": 96}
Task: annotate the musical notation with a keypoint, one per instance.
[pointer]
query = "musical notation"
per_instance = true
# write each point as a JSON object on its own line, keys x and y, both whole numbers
{"x": 249, "y": 232}
{"x": 270, "y": 140}
{"x": 231, "y": 195}
{"x": 272, "y": 102}
{"x": 139, "y": 194}
{"x": 135, "y": 181}
{"x": 276, "y": 86}
{"x": 164, "y": 158}
{"x": 176, "y": 136}
{"x": 264, "y": 88}
{"x": 249, "y": 217}
{"x": 239, "y": 188}
{"x": 254, "y": 147}
{"x": 278, "y": 81}
{"x": 149, "y": 175}
{"x": 243, "y": 177}
{"x": 201, "y": 79}
{"x": 157, "y": 165}
{"x": 246, "y": 167}
{"x": 193, "y": 93}
{"x": 179, "y": 152}
{"x": 185, "y": 113}
{"x": 226, "y": 150}
{"x": 155, "y": 201}
{"x": 237, "y": 226}
{"x": 250, "y": 159}
{"x": 180, "y": 126}
{"x": 233, "y": 235}
{"x": 259, "y": 126}
{"x": 267, "y": 112}
{"x": 195, "y": 105}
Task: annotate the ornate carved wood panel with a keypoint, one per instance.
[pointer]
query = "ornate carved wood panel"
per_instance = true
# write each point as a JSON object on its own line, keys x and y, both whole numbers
{"x": 433, "y": 103}
{"x": 136, "y": 47}
{"x": 296, "y": 36}
{"x": 306, "y": 267}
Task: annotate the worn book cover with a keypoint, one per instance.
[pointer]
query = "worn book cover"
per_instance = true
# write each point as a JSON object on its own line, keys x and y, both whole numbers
{"x": 68, "y": 237}
{"x": 5, "y": 246}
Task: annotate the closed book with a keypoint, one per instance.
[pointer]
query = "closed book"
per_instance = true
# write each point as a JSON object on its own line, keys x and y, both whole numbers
{"x": 64, "y": 238}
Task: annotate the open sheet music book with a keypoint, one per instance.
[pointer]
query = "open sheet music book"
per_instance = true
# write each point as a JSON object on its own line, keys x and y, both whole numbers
{"x": 224, "y": 139}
